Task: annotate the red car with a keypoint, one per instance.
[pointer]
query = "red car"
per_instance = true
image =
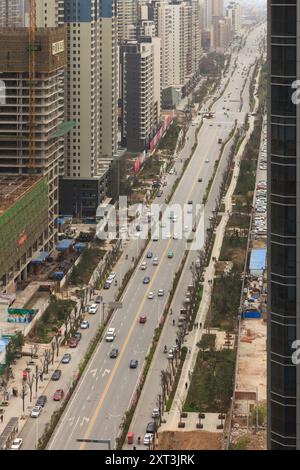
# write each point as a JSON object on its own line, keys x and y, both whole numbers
{"x": 73, "y": 343}
{"x": 143, "y": 319}
{"x": 58, "y": 395}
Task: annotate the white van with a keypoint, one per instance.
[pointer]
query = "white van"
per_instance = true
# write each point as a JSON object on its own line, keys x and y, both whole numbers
{"x": 110, "y": 335}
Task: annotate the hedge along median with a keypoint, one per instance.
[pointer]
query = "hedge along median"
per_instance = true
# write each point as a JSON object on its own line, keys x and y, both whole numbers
{"x": 210, "y": 183}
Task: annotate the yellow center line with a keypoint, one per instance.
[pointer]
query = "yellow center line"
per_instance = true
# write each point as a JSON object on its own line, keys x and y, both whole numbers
{"x": 133, "y": 326}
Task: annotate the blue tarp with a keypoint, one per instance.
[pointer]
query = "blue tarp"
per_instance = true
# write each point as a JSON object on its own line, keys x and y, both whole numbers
{"x": 41, "y": 257}
{"x": 251, "y": 314}
{"x": 258, "y": 259}
{"x": 59, "y": 275}
{"x": 64, "y": 245}
{"x": 61, "y": 221}
{"x": 80, "y": 246}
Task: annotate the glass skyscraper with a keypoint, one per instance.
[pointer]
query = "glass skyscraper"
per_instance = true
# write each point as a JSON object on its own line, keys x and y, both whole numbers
{"x": 283, "y": 224}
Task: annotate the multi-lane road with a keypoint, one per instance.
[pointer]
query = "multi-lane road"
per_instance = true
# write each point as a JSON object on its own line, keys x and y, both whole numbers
{"x": 106, "y": 388}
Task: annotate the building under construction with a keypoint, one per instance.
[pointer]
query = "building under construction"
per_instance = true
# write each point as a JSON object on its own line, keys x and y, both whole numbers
{"x": 32, "y": 126}
{"x": 32, "y": 117}
{"x": 24, "y": 226}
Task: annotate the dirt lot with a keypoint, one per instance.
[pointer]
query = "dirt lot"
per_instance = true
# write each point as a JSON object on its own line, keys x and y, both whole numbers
{"x": 189, "y": 440}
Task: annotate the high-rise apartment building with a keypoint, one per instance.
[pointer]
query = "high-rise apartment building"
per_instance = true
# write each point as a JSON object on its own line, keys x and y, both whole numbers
{"x": 140, "y": 75}
{"x": 283, "y": 226}
{"x": 127, "y": 11}
{"x": 233, "y": 11}
{"x": 217, "y": 8}
{"x": 91, "y": 99}
{"x": 31, "y": 136}
{"x": 11, "y": 13}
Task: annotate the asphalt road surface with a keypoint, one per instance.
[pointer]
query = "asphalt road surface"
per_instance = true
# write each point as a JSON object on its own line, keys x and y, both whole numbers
{"x": 106, "y": 389}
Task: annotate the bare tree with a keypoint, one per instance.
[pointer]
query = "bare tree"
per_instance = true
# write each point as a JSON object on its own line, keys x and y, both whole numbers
{"x": 52, "y": 352}
{"x": 58, "y": 340}
{"x": 30, "y": 382}
{"x": 23, "y": 395}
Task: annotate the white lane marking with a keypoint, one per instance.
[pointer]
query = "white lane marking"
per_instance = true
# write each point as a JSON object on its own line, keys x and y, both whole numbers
{"x": 94, "y": 372}
{"x": 84, "y": 420}
{"x": 71, "y": 420}
{"x": 106, "y": 372}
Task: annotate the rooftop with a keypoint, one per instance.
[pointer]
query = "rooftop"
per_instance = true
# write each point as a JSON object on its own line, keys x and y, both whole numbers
{"x": 13, "y": 188}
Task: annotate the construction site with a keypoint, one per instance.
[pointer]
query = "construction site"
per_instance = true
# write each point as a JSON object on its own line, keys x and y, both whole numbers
{"x": 32, "y": 129}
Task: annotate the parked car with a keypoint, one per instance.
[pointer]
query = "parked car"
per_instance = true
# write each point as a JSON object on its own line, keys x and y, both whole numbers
{"x": 66, "y": 358}
{"x": 98, "y": 299}
{"x": 114, "y": 353}
{"x": 133, "y": 364}
{"x": 56, "y": 375}
{"x": 78, "y": 336}
{"x": 84, "y": 325}
{"x": 58, "y": 395}
{"x": 106, "y": 286}
{"x": 93, "y": 309}
{"x": 17, "y": 444}
{"x": 155, "y": 413}
{"x": 148, "y": 438}
{"x": 73, "y": 343}
{"x": 36, "y": 411}
{"x": 41, "y": 401}
{"x": 151, "y": 428}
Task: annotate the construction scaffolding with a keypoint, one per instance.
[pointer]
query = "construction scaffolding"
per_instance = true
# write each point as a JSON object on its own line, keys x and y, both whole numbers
{"x": 23, "y": 219}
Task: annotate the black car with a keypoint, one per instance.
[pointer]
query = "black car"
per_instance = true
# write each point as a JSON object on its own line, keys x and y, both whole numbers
{"x": 114, "y": 353}
{"x": 133, "y": 364}
{"x": 66, "y": 358}
{"x": 41, "y": 401}
{"x": 107, "y": 286}
{"x": 98, "y": 299}
{"x": 56, "y": 375}
{"x": 78, "y": 335}
{"x": 200, "y": 180}
{"x": 151, "y": 428}
{"x": 149, "y": 254}
{"x": 146, "y": 280}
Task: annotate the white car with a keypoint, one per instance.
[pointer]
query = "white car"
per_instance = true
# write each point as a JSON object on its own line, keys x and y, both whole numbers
{"x": 160, "y": 293}
{"x": 84, "y": 325}
{"x": 93, "y": 308}
{"x": 17, "y": 444}
{"x": 143, "y": 266}
{"x": 112, "y": 275}
{"x": 186, "y": 229}
{"x": 171, "y": 354}
{"x": 206, "y": 161}
{"x": 172, "y": 171}
{"x": 151, "y": 295}
{"x": 155, "y": 261}
{"x": 148, "y": 438}
{"x": 175, "y": 236}
{"x": 36, "y": 411}
{"x": 155, "y": 413}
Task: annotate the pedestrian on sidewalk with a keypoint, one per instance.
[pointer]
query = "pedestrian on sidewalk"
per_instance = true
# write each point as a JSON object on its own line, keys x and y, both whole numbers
{"x": 200, "y": 325}
{"x": 1, "y": 418}
{"x": 190, "y": 350}
{"x": 186, "y": 385}
{"x": 173, "y": 322}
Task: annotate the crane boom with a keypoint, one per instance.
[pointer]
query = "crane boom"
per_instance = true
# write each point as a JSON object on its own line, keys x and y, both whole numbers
{"x": 32, "y": 84}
